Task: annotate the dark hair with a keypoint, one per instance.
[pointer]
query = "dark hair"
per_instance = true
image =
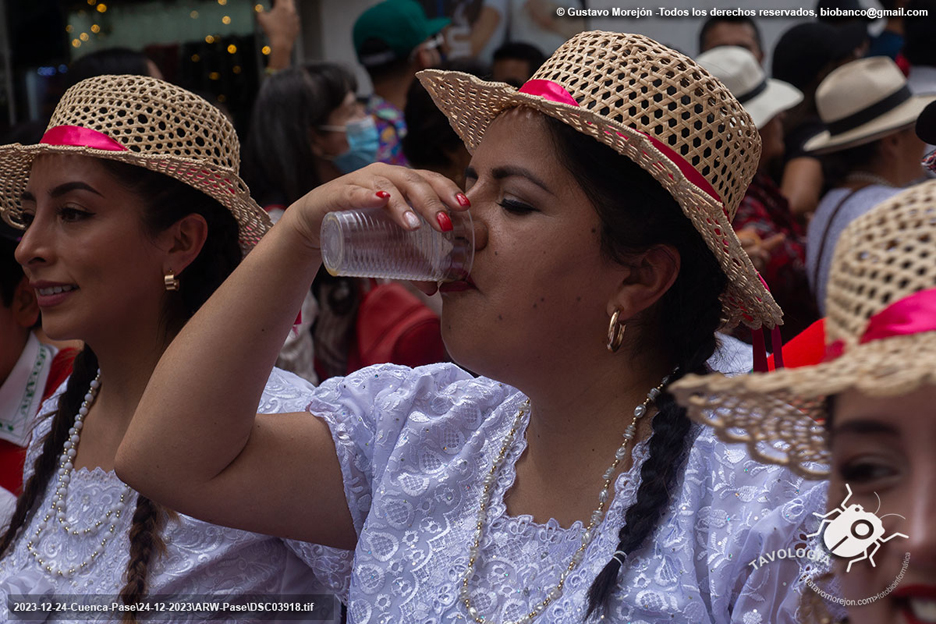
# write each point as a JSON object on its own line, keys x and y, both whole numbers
{"x": 165, "y": 201}
{"x": 919, "y": 33}
{"x": 26, "y": 132}
{"x": 107, "y": 62}
{"x": 394, "y": 67}
{"x": 521, "y": 51}
{"x": 278, "y": 161}
{"x": 711, "y": 22}
{"x": 11, "y": 273}
{"x": 837, "y": 165}
{"x": 429, "y": 135}
{"x": 683, "y": 322}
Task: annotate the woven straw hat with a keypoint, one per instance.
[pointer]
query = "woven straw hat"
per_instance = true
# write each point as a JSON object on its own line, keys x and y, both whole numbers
{"x": 148, "y": 123}
{"x": 863, "y": 101}
{"x": 658, "y": 108}
{"x": 880, "y": 340}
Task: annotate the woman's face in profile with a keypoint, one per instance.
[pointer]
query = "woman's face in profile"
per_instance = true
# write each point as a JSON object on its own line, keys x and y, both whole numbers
{"x": 85, "y": 251}
{"x": 541, "y": 287}
{"x": 887, "y": 446}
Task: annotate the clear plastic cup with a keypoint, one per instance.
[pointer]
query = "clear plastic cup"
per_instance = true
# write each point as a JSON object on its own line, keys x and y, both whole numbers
{"x": 368, "y": 243}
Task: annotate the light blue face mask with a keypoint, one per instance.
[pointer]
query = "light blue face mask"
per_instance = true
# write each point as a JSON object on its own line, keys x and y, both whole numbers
{"x": 363, "y": 142}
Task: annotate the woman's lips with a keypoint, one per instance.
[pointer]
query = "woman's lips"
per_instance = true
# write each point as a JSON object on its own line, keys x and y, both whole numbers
{"x": 918, "y": 610}
{"x": 917, "y": 603}
{"x": 50, "y": 295}
{"x": 458, "y": 286}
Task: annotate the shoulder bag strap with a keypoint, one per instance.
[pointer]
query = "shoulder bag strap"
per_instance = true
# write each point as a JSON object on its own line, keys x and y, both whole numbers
{"x": 825, "y": 235}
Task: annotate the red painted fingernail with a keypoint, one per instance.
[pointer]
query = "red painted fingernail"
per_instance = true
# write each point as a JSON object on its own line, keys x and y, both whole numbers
{"x": 383, "y": 194}
{"x": 462, "y": 200}
{"x": 444, "y": 222}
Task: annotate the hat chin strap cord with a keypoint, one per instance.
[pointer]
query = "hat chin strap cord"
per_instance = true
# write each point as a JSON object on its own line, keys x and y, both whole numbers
{"x": 760, "y": 348}
{"x": 759, "y": 337}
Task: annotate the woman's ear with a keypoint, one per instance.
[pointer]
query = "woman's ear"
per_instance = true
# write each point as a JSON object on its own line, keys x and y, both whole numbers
{"x": 651, "y": 274}
{"x": 183, "y": 241}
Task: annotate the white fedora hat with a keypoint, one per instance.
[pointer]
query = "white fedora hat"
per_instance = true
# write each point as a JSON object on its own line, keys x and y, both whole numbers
{"x": 762, "y": 97}
{"x": 863, "y": 101}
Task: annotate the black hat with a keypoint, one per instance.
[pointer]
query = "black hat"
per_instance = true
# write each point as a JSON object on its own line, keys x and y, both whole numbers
{"x": 926, "y": 124}
{"x": 804, "y": 50}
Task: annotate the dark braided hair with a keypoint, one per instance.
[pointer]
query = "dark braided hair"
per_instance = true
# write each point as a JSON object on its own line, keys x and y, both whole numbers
{"x": 637, "y": 213}
{"x": 146, "y": 543}
{"x": 164, "y": 201}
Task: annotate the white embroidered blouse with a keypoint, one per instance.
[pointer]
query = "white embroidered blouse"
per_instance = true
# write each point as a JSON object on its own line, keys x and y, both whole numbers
{"x": 414, "y": 445}
{"x": 201, "y": 559}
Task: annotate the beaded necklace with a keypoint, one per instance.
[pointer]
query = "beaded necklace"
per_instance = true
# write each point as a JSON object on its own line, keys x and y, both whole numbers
{"x": 58, "y": 511}
{"x": 587, "y": 536}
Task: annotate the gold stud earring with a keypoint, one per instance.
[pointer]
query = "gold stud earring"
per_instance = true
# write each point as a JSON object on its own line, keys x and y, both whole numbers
{"x": 615, "y": 332}
{"x": 171, "y": 281}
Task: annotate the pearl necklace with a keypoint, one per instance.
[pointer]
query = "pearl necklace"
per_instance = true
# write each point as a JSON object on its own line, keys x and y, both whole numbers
{"x": 58, "y": 511}
{"x": 864, "y": 176}
{"x": 587, "y": 536}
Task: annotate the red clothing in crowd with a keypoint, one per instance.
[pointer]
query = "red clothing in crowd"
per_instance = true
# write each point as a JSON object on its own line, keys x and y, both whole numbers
{"x": 12, "y": 456}
{"x": 765, "y": 210}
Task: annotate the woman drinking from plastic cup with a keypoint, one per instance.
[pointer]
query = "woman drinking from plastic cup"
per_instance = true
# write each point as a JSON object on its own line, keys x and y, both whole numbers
{"x": 564, "y": 483}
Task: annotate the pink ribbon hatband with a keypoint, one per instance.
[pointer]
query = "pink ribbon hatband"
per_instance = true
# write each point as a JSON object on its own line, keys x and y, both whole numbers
{"x": 914, "y": 314}
{"x": 555, "y": 92}
{"x": 81, "y": 137}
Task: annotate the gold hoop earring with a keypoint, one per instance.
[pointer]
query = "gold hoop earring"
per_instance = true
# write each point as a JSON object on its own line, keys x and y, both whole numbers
{"x": 171, "y": 281}
{"x": 615, "y": 332}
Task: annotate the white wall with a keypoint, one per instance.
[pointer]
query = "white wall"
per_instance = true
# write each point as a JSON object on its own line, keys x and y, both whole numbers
{"x": 329, "y": 38}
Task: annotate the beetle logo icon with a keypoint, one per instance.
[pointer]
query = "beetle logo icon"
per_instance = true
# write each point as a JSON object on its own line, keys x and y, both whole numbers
{"x": 854, "y": 533}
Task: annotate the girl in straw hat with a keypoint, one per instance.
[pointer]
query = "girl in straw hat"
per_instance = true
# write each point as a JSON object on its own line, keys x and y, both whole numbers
{"x": 864, "y": 417}
{"x": 564, "y": 484}
{"x": 133, "y": 214}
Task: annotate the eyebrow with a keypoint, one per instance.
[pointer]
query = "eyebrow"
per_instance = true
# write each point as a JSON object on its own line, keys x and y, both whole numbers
{"x": 863, "y": 427}
{"x": 509, "y": 171}
{"x": 62, "y": 189}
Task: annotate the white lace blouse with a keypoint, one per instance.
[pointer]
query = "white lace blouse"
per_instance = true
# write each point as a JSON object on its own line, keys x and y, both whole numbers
{"x": 414, "y": 446}
{"x": 201, "y": 559}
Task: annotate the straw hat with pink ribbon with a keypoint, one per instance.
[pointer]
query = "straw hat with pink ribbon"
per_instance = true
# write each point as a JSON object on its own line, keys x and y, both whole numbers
{"x": 655, "y": 106}
{"x": 880, "y": 333}
{"x": 145, "y": 122}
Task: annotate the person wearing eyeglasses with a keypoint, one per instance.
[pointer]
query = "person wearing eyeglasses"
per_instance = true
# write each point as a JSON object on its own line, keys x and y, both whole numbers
{"x": 393, "y": 40}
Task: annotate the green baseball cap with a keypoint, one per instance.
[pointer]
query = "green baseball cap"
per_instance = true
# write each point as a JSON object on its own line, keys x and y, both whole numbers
{"x": 401, "y": 24}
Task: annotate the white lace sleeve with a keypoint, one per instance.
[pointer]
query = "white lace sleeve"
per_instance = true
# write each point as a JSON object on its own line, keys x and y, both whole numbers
{"x": 751, "y": 536}
{"x": 286, "y": 392}
{"x": 366, "y": 412}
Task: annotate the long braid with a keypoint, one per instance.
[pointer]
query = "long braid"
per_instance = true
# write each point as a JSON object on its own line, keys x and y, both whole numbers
{"x": 667, "y": 452}
{"x": 146, "y": 543}
{"x": 167, "y": 201}
{"x": 680, "y": 326}
{"x": 46, "y": 464}
{"x": 692, "y": 344}
{"x": 164, "y": 201}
